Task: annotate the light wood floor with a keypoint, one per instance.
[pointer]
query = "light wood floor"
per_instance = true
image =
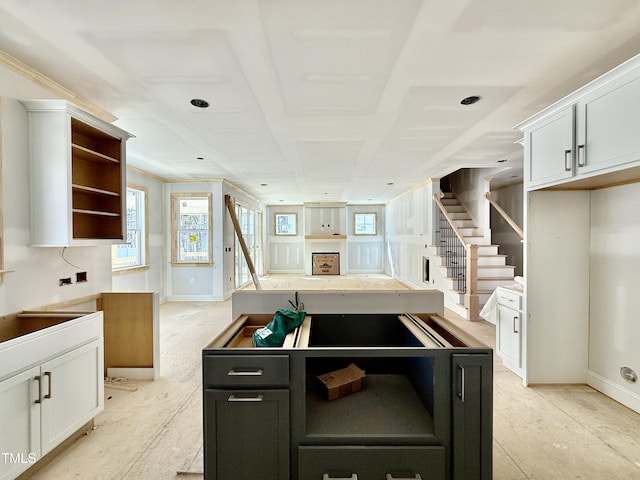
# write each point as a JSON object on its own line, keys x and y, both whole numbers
{"x": 153, "y": 430}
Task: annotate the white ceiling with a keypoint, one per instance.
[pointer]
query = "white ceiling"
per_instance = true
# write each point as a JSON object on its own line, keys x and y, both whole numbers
{"x": 321, "y": 100}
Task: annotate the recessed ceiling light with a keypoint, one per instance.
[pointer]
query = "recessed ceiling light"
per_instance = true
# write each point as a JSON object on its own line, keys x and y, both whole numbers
{"x": 390, "y": 183}
{"x": 469, "y": 100}
{"x": 200, "y": 103}
{"x": 502, "y": 160}
{"x": 199, "y": 158}
{"x": 263, "y": 184}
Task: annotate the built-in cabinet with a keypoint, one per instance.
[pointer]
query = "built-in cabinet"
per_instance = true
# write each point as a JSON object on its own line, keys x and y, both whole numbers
{"x": 509, "y": 328}
{"x": 424, "y": 409}
{"x": 592, "y": 132}
{"x": 246, "y": 415}
{"x": 78, "y": 176}
{"x": 581, "y": 251}
{"x": 51, "y": 384}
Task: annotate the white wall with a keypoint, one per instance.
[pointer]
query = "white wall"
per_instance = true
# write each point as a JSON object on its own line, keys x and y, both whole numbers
{"x": 409, "y": 236}
{"x": 365, "y": 253}
{"x": 614, "y": 261}
{"x": 151, "y": 279}
{"x": 284, "y": 253}
{"x": 37, "y": 270}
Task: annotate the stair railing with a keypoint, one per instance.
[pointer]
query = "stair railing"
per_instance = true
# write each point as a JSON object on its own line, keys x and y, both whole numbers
{"x": 505, "y": 215}
{"x": 461, "y": 260}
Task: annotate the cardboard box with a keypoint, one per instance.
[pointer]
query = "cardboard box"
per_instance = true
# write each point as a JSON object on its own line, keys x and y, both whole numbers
{"x": 325, "y": 264}
{"x": 342, "y": 382}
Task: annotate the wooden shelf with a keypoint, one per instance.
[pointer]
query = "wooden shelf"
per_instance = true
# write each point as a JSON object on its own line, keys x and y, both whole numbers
{"x": 96, "y": 212}
{"x": 91, "y": 155}
{"x": 84, "y": 188}
{"x": 325, "y": 237}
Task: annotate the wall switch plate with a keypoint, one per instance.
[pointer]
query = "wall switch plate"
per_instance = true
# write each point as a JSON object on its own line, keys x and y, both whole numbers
{"x": 81, "y": 277}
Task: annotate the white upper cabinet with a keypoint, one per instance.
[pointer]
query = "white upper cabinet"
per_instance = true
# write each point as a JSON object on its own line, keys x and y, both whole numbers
{"x": 550, "y": 148}
{"x": 78, "y": 176}
{"x": 608, "y": 125}
{"x": 590, "y": 138}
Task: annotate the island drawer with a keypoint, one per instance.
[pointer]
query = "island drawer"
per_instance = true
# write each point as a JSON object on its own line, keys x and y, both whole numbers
{"x": 246, "y": 370}
{"x": 371, "y": 462}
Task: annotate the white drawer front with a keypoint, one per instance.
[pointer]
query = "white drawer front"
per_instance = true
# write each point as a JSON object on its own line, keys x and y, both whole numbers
{"x": 509, "y": 298}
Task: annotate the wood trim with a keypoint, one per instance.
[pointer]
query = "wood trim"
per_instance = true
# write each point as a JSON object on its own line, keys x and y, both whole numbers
{"x": 243, "y": 245}
{"x": 174, "y": 228}
{"x": 449, "y": 219}
{"x": 504, "y": 215}
{"x": 54, "y": 87}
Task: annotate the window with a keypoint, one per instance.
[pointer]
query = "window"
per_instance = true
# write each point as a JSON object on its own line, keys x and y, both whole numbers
{"x": 250, "y": 221}
{"x": 133, "y": 253}
{"x": 365, "y": 224}
{"x": 286, "y": 224}
{"x": 191, "y": 229}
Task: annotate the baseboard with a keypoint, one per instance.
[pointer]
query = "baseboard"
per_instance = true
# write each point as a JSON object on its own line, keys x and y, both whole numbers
{"x": 613, "y": 390}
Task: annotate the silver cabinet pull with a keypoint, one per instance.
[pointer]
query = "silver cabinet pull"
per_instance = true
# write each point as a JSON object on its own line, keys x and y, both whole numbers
{"x": 581, "y": 160}
{"x": 245, "y": 373}
{"x": 416, "y": 477}
{"x": 38, "y": 379}
{"x": 567, "y": 160}
{"x": 326, "y": 476}
{"x": 515, "y": 328}
{"x": 48, "y": 375}
{"x": 461, "y": 392}
{"x": 233, "y": 398}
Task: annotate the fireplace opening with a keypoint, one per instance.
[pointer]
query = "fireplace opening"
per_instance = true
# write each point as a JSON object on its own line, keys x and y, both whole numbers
{"x": 325, "y": 263}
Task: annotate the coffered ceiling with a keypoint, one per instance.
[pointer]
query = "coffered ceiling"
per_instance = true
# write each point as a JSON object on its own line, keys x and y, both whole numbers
{"x": 319, "y": 100}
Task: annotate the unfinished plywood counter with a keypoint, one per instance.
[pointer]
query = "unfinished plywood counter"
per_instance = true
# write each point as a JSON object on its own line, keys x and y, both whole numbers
{"x": 424, "y": 410}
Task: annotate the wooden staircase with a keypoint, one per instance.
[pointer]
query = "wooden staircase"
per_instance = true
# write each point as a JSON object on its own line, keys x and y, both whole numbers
{"x": 493, "y": 270}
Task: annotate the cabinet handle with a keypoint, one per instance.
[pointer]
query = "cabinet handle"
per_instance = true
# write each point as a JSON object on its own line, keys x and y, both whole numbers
{"x": 416, "y": 477}
{"x": 233, "y": 398}
{"x": 461, "y": 391}
{"x": 567, "y": 160}
{"x": 326, "y": 476}
{"x": 245, "y": 373}
{"x": 515, "y": 328}
{"x": 48, "y": 375}
{"x": 38, "y": 379}
{"x": 581, "y": 159}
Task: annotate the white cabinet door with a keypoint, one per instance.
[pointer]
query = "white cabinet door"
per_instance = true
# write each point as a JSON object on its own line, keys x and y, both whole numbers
{"x": 549, "y": 149}
{"x": 73, "y": 392}
{"x": 19, "y": 423}
{"x": 608, "y": 122}
{"x": 509, "y": 337}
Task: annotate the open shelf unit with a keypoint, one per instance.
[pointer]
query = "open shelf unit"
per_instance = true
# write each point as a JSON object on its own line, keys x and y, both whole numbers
{"x": 78, "y": 174}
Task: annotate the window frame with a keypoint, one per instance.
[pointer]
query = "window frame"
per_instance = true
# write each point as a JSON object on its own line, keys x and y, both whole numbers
{"x": 144, "y": 228}
{"x": 293, "y": 215}
{"x": 375, "y": 223}
{"x": 175, "y": 199}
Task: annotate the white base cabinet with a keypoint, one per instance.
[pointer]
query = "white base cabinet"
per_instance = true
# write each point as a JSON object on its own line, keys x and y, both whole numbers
{"x": 510, "y": 329}
{"x": 58, "y": 387}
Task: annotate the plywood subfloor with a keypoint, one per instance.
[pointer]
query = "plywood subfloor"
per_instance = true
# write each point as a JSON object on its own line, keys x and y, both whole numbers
{"x": 152, "y": 430}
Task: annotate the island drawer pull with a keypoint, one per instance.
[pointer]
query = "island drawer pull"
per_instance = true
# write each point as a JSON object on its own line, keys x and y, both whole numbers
{"x": 416, "y": 477}
{"x": 326, "y": 476}
{"x": 245, "y": 373}
{"x": 233, "y": 398}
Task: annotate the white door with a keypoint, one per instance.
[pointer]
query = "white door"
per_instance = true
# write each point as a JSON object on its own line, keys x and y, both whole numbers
{"x": 509, "y": 344}
{"x": 73, "y": 392}
{"x": 608, "y": 122}
{"x": 19, "y": 423}
{"x": 549, "y": 149}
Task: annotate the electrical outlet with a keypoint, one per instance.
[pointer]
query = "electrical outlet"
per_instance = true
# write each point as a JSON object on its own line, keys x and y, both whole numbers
{"x": 65, "y": 281}
{"x": 81, "y": 277}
